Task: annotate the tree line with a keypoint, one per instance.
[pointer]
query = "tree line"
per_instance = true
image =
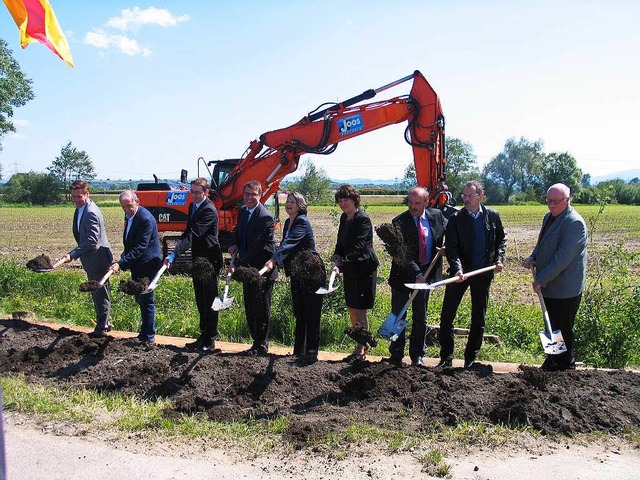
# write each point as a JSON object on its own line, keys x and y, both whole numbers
{"x": 520, "y": 173}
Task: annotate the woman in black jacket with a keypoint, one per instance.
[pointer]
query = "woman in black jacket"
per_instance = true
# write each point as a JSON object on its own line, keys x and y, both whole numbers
{"x": 355, "y": 258}
{"x": 297, "y": 253}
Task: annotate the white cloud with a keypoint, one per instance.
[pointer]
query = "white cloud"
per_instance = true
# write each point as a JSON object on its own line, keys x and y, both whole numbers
{"x": 132, "y": 19}
{"x": 21, "y": 123}
{"x": 126, "y": 45}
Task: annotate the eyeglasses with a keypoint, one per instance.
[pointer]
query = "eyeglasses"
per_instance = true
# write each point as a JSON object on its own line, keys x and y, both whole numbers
{"x": 555, "y": 202}
{"x": 250, "y": 194}
{"x": 470, "y": 196}
{"x": 196, "y": 192}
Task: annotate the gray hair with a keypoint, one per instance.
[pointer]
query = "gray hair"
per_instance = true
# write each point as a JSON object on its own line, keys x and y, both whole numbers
{"x": 561, "y": 187}
{"x": 129, "y": 194}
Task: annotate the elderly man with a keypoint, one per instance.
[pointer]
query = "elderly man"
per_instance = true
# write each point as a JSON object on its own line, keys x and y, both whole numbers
{"x": 93, "y": 250}
{"x": 560, "y": 257}
{"x": 475, "y": 239}
{"x": 422, "y": 232}
{"x": 142, "y": 255}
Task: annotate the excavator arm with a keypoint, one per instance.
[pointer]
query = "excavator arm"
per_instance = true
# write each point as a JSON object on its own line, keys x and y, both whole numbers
{"x": 277, "y": 153}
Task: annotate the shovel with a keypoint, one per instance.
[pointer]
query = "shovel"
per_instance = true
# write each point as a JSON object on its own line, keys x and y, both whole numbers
{"x": 431, "y": 286}
{"x": 53, "y": 267}
{"x": 154, "y": 283}
{"x": 394, "y": 324}
{"x": 552, "y": 341}
{"x": 330, "y": 288}
{"x": 224, "y": 302}
{"x": 92, "y": 285}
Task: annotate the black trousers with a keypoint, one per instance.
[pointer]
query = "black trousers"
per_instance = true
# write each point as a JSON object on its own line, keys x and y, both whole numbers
{"x": 418, "y": 323}
{"x": 257, "y": 308}
{"x": 307, "y": 309}
{"x": 205, "y": 289}
{"x": 562, "y": 314}
{"x": 479, "y": 286}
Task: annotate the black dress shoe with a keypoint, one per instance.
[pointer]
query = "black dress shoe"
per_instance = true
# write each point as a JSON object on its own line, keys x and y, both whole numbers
{"x": 194, "y": 345}
{"x": 99, "y": 333}
{"x": 445, "y": 364}
{"x": 469, "y": 364}
{"x": 393, "y": 361}
{"x": 418, "y": 362}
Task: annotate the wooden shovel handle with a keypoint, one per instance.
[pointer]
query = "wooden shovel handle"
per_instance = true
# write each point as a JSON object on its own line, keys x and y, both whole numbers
{"x": 59, "y": 262}
{"x": 106, "y": 277}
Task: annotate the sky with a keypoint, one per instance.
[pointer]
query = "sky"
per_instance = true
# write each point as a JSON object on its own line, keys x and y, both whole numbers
{"x": 158, "y": 84}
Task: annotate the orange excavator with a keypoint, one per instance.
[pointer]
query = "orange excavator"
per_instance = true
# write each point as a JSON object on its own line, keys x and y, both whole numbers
{"x": 277, "y": 154}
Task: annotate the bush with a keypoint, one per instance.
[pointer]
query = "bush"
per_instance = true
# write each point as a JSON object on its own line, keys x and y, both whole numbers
{"x": 33, "y": 188}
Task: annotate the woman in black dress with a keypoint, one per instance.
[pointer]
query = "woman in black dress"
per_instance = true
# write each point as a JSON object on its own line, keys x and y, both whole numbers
{"x": 355, "y": 258}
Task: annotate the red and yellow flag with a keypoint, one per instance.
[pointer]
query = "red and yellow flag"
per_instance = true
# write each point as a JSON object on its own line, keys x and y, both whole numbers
{"x": 37, "y": 23}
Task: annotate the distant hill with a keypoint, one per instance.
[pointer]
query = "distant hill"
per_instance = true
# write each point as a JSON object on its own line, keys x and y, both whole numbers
{"x": 625, "y": 175}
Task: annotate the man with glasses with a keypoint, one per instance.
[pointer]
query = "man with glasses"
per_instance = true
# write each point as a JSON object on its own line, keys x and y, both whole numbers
{"x": 201, "y": 235}
{"x": 474, "y": 239}
{"x": 254, "y": 245}
{"x": 560, "y": 258}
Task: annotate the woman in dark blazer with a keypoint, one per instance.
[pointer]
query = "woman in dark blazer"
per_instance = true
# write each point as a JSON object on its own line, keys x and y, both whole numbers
{"x": 355, "y": 258}
{"x": 297, "y": 236}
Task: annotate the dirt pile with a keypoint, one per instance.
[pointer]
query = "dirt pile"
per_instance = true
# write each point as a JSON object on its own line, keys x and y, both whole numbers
{"x": 326, "y": 396}
{"x": 41, "y": 262}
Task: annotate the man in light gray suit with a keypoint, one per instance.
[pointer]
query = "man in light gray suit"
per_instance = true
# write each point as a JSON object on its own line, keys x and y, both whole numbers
{"x": 560, "y": 257}
{"x": 93, "y": 250}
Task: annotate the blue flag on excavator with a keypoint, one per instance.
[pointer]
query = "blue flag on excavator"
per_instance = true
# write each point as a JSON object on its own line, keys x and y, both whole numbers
{"x": 38, "y": 23}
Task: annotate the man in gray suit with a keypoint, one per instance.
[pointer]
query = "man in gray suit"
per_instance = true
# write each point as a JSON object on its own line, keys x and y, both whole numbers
{"x": 93, "y": 250}
{"x": 560, "y": 257}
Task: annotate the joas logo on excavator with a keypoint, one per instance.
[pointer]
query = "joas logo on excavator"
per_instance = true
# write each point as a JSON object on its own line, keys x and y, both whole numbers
{"x": 350, "y": 124}
{"x": 177, "y": 198}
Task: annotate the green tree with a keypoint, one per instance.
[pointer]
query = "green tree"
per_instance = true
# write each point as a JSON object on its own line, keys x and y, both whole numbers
{"x": 33, "y": 187}
{"x": 561, "y": 168}
{"x": 314, "y": 184}
{"x": 517, "y": 168}
{"x": 15, "y": 89}
{"x": 72, "y": 164}
{"x": 461, "y": 166}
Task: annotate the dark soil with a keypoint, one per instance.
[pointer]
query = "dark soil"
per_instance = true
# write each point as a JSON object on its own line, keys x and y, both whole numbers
{"x": 324, "y": 397}
{"x": 133, "y": 287}
{"x": 89, "y": 286}
{"x": 41, "y": 262}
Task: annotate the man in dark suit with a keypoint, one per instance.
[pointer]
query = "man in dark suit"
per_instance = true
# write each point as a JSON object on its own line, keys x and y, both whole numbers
{"x": 475, "y": 239}
{"x": 422, "y": 231}
{"x": 142, "y": 256}
{"x": 253, "y": 244}
{"x": 93, "y": 250}
{"x": 201, "y": 235}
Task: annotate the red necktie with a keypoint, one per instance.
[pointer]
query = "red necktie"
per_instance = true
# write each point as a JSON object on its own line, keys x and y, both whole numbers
{"x": 422, "y": 243}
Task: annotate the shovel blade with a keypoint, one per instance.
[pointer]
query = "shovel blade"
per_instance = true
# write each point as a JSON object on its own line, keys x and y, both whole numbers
{"x": 221, "y": 303}
{"x": 553, "y": 344}
{"x": 324, "y": 291}
{"x": 392, "y": 327}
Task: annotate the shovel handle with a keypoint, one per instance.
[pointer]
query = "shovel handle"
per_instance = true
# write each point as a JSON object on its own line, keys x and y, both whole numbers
{"x": 262, "y": 271}
{"x": 105, "y": 277}
{"x": 406, "y": 305}
{"x": 455, "y": 278}
{"x": 154, "y": 282}
{"x": 545, "y": 312}
{"x": 226, "y": 286}
{"x": 433, "y": 262}
{"x": 59, "y": 262}
{"x": 331, "y": 280}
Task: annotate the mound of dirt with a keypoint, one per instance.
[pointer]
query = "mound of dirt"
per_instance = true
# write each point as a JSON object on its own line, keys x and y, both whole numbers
{"x": 41, "y": 262}
{"x": 324, "y": 397}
